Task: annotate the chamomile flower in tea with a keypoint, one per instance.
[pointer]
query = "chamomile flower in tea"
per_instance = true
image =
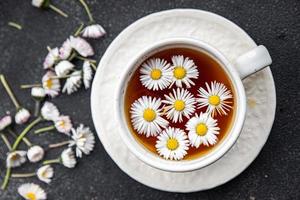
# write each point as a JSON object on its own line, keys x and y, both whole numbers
{"x": 179, "y": 103}
{"x": 202, "y": 130}
{"x": 184, "y": 70}
{"x": 216, "y": 98}
{"x": 156, "y": 74}
{"x": 172, "y": 144}
{"x": 146, "y": 116}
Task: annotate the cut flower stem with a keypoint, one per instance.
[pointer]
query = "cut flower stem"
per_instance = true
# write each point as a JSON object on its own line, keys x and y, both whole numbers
{"x": 44, "y": 129}
{"x": 28, "y": 86}
{"x": 60, "y": 144}
{"x": 9, "y": 91}
{"x": 25, "y": 175}
{"x": 54, "y": 161}
{"x": 6, "y": 141}
{"x": 15, "y": 25}
{"x": 87, "y": 10}
{"x": 25, "y": 140}
{"x": 57, "y": 10}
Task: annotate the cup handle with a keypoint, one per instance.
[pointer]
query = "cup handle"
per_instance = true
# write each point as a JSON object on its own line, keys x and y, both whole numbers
{"x": 253, "y": 61}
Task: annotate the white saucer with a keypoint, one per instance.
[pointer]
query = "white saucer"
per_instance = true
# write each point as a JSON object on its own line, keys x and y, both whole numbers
{"x": 232, "y": 41}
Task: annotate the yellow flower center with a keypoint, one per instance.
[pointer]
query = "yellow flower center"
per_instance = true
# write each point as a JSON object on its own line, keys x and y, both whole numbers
{"x": 156, "y": 74}
{"x": 201, "y": 129}
{"x": 214, "y": 100}
{"x": 31, "y": 196}
{"x": 179, "y": 105}
{"x": 62, "y": 124}
{"x": 149, "y": 115}
{"x": 49, "y": 83}
{"x": 179, "y": 72}
{"x": 172, "y": 144}
{"x": 15, "y": 157}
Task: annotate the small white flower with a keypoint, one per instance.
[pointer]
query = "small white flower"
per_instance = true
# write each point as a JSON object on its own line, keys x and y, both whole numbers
{"x": 184, "y": 69}
{"x": 38, "y": 93}
{"x": 31, "y": 191}
{"x": 45, "y": 173}
{"x": 49, "y": 111}
{"x": 84, "y": 140}
{"x": 73, "y": 83}
{"x": 68, "y": 158}
{"x": 202, "y": 130}
{"x": 156, "y": 74}
{"x": 146, "y": 116}
{"x": 37, "y": 3}
{"x": 51, "y": 85}
{"x": 81, "y": 46}
{"x": 172, "y": 144}
{"x": 65, "y": 50}
{"x": 22, "y": 116}
{"x": 93, "y": 31}
{"x": 215, "y": 98}
{"x": 178, "y": 104}
{"x": 51, "y": 58}
{"x": 35, "y": 154}
{"x": 63, "y": 124}
{"x": 5, "y": 122}
{"x": 15, "y": 159}
{"x": 87, "y": 74}
{"x": 63, "y": 68}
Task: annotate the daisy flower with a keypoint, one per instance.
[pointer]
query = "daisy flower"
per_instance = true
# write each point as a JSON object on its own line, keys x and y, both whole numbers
{"x": 31, "y": 191}
{"x": 51, "y": 58}
{"x": 87, "y": 74}
{"x": 22, "y": 116}
{"x": 83, "y": 139}
{"x": 5, "y": 122}
{"x": 35, "y": 154}
{"x": 172, "y": 144}
{"x": 63, "y": 68}
{"x": 51, "y": 85}
{"x": 146, "y": 116}
{"x": 67, "y": 158}
{"x": 184, "y": 69}
{"x": 49, "y": 111}
{"x": 202, "y": 130}
{"x": 156, "y": 74}
{"x": 93, "y": 31}
{"x": 215, "y": 98}
{"x": 178, "y": 104}
{"x": 15, "y": 159}
{"x": 73, "y": 83}
{"x": 65, "y": 50}
{"x": 45, "y": 173}
{"x": 47, "y": 4}
{"x": 63, "y": 124}
{"x": 81, "y": 46}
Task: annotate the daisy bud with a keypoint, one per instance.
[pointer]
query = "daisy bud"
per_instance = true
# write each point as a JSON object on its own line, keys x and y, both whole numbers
{"x": 15, "y": 159}
{"x": 51, "y": 85}
{"x": 35, "y": 154}
{"x": 63, "y": 124}
{"x": 73, "y": 83}
{"x": 81, "y": 46}
{"x": 32, "y": 191}
{"x": 22, "y": 116}
{"x": 38, "y": 93}
{"x": 37, "y": 3}
{"x": 83, "y": 139}
{"x": 65, "y": 50}
{"x": 63, "y": 68}
{"x": 45, "y": 173}
{"x": 49, "y": 111}
{"x": 93, "y": 31}
{"x": 68, "y": 158}
{"x": 5, "y": 122}
{"x": 51, "y": 58}
{"x": 87, "y": 74}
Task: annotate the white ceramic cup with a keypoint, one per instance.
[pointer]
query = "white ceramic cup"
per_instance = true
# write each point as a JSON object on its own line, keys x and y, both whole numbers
{"x": 245, "y": 65}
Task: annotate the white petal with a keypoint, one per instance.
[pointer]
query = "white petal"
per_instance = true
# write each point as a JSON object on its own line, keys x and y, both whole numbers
{"x": 49, "y": 111}
{"x": 63, "y": 68}
{"x": 45, "y": 173}
{"x": 5, "y": 122}
{"x": 81, "y": 46}
{"x": 22, "y": 116}
{"x": 33, "y": 189}
{"x": 73, "y": 83}
{"x": 87, "y": 74}
{"x": 35, "y": 154}
{"x": 93, "y": 31}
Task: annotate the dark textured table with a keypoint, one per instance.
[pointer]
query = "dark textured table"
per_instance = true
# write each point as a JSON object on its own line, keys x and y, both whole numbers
{"x": 276, "y": 24}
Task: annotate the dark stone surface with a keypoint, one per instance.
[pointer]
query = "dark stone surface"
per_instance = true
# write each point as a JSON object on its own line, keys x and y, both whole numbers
{"x": 276, "y": 24}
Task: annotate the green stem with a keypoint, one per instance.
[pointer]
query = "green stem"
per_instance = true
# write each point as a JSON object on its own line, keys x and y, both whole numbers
{"x": 25, "y": 131}
{"x": 25, "y": 175}
{"x": 94, "y": 66}
{"x": 85, "y": 59}
{"x": 5, "y": 140}
{"x": 54, "y": 161}
{"x": 60, "y": 144}
{"x": 15, "y": 25}
{"x": 6, "y": 178}
{"x": 37, "y": 108}
{"x": 87, "y": 10}
{"x": 28, "y": 86}
{"x": 9, "y": 92}
{"x": 44, "y": 129}
{"x": 25, "y": 140}
{"x": 73, "y": 55}
{"x": 57, "y": 10}
{"x": 79, "y": 29}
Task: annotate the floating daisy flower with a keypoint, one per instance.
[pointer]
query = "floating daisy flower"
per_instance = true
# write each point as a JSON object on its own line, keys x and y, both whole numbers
{"x": 146, "y": 116}
{"x": 35, "y": 154}
{"x": 172, "y": 144}
{"x": 65, "y": 50}
{"x": 81, "y": 46}
{"x": 63, "y": 68}
{"x": 51, "y": 58}
{"x": 31, "y": 191}
{"x": 49, "y": 111}
{"x": 15, "y": 159}
{"x": 73, "y": 83}
{"x": 215, "y": 98}
{"x": 87, "y": 74}
{"x": 50, "y": 84}
{"x": 22, "y": 116}
{"x": 178, "y": 104}
{"x": 83, "y": 139}
{"x": 184, "y": 70}
{"x": 93, "y": 31}
{"x": 5, "y": 122}
{"x": 156, "y": 74}
{"x": 202, "y": 130}
{"x": 45, "y": 173}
